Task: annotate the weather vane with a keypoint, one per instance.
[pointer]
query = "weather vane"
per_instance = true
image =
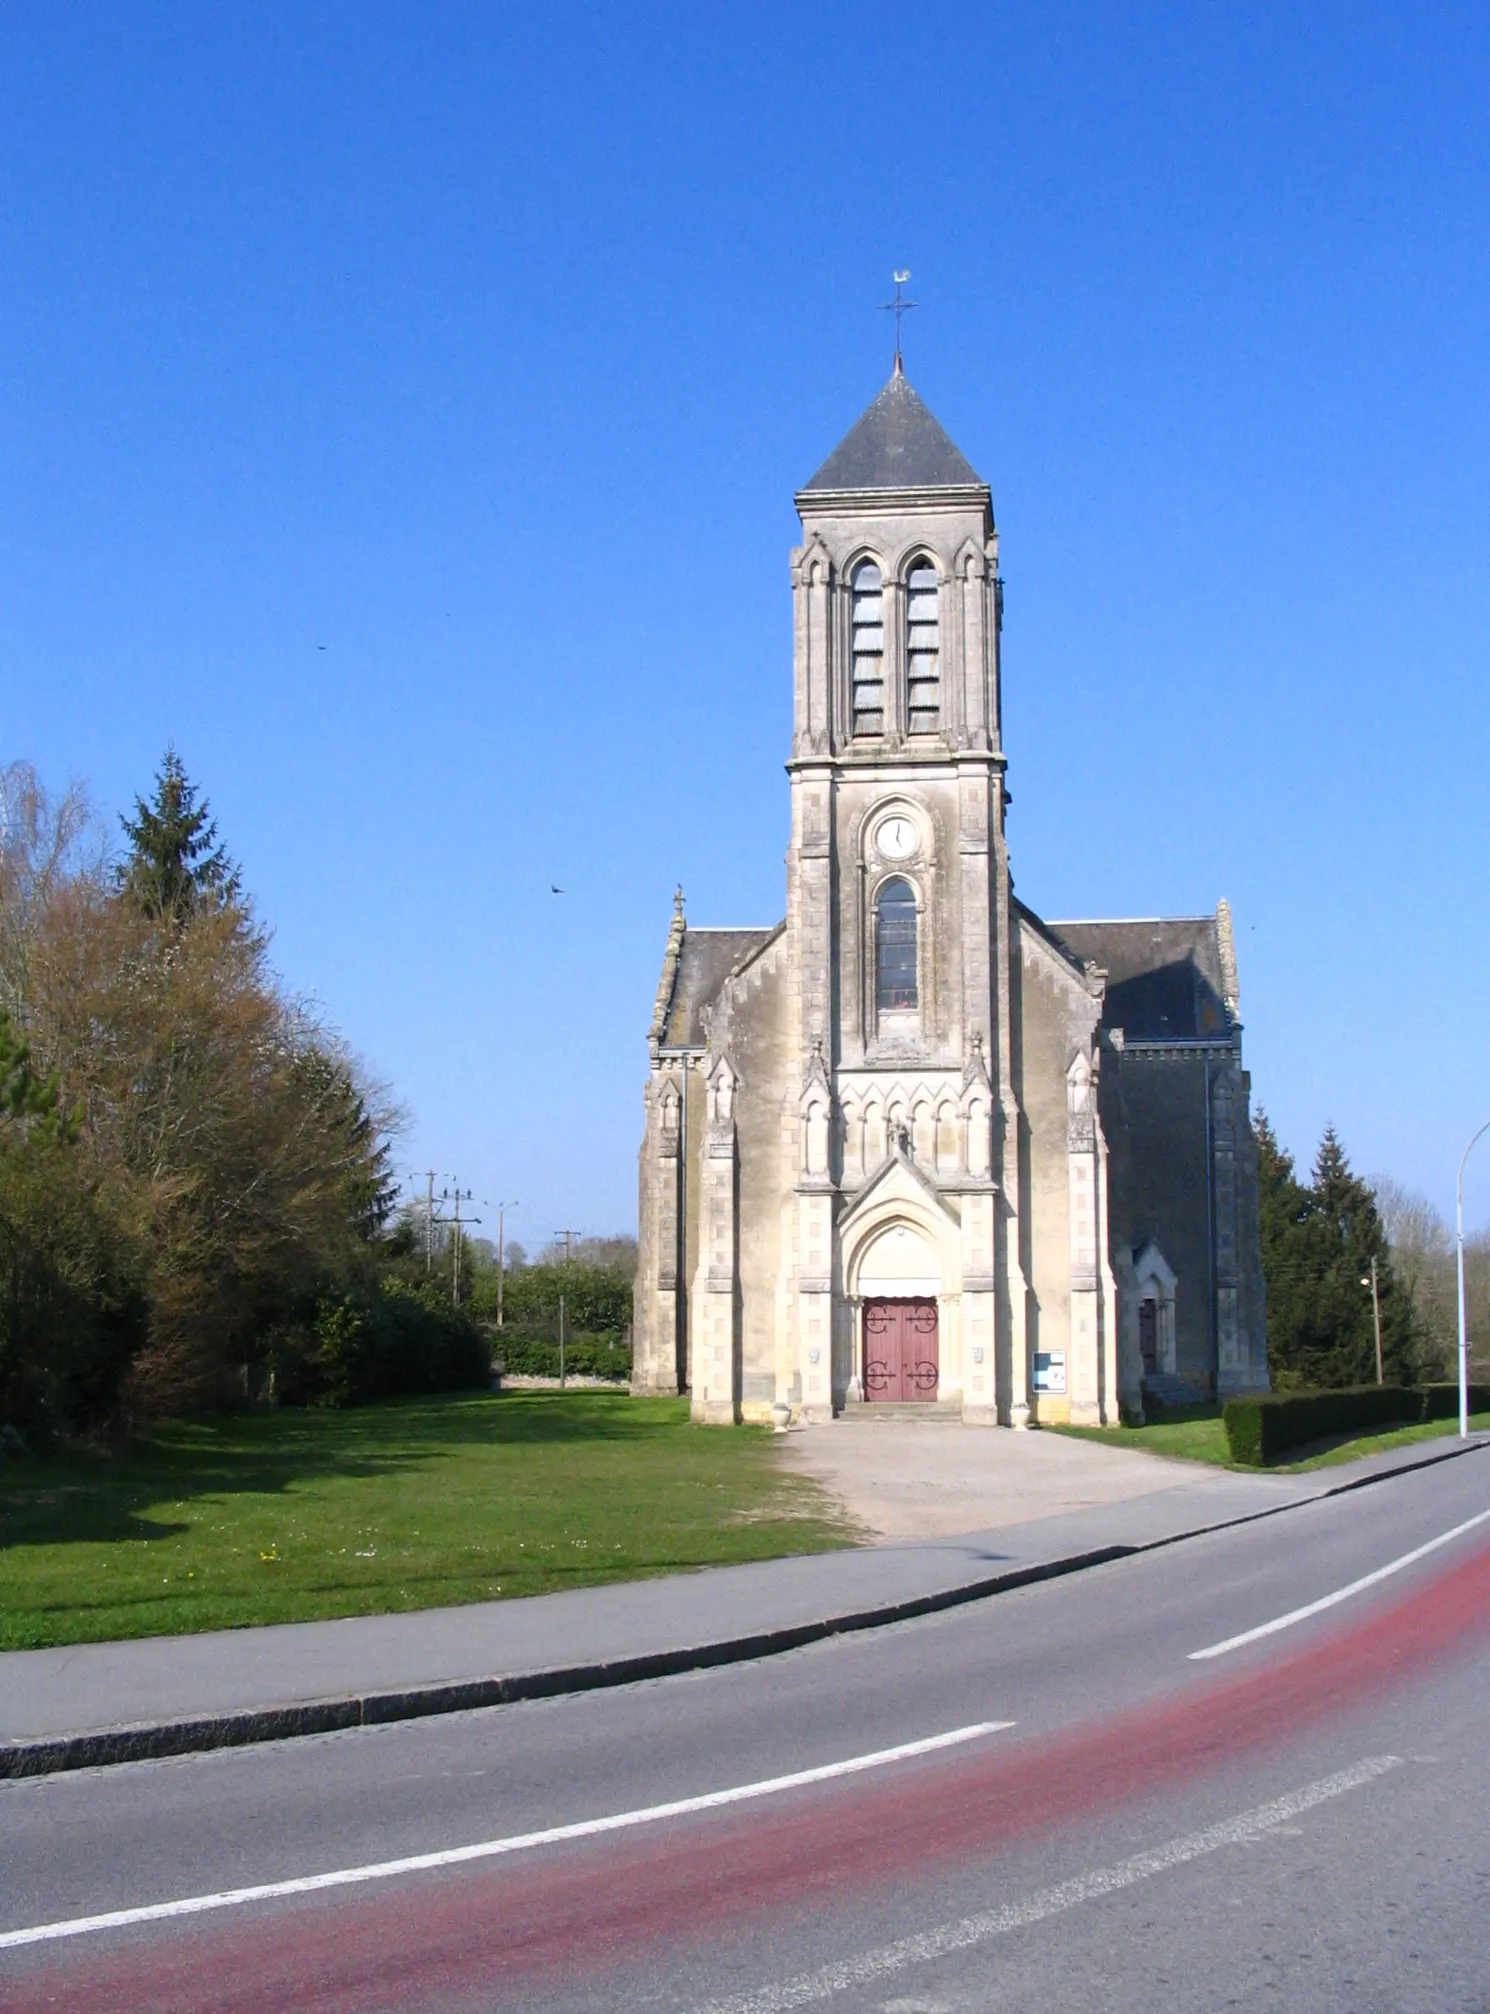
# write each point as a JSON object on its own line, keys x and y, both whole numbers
{"x": 897, "y": 308}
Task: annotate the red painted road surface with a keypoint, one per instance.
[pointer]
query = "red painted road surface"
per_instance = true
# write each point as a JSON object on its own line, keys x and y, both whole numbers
{"x": 568, "y": 1914}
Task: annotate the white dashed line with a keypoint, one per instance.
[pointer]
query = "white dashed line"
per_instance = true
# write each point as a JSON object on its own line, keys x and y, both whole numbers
{"x": 1341, "y": 1593}
{"x": 871, "y": 1966}
{"x": 490, "y": 1849}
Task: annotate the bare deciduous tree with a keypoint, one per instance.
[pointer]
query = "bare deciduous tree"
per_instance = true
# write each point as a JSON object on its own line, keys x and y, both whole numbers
{"x": 1422, "y": 1247}
{"x": 233, "y": 1144}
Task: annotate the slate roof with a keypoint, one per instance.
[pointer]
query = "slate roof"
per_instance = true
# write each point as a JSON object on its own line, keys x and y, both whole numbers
{"x": 1165, "y": 980}
{"x": 897, "y": 444}
{"x": 706, "y": 960}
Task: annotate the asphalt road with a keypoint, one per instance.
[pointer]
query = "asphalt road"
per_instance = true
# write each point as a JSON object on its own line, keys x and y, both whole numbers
{"x": 1301, "y": 1821}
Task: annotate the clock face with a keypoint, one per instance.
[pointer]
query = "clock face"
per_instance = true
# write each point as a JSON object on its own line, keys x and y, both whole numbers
{"x": 896, "y": 838}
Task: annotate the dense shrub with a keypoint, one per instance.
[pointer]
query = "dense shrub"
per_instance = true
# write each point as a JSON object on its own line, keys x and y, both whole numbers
{"x": 72, "y": 1299}
{"x": 585, "y": 1356}
{"x": 597, "y": 1299}
{"x": 422, "y": 1344}
{"x": 1264, "y": 1426}
{"x": 401, "y": 1340}
{"x": 71, "y": 1303}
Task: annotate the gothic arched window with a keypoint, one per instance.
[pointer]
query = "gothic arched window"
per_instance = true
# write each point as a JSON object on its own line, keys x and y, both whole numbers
{"x": 868, "y": 625}
{"x": 923, "y": 690}
{"x": 895, "y": 946}
{"x": 1156, "y": 1289}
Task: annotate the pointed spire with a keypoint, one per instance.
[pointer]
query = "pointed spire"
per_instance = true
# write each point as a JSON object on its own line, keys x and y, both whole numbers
{"x": 897, "y": 444}
{"x": 975, "y": 1069}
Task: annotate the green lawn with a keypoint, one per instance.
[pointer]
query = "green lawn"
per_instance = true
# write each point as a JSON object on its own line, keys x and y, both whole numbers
{"x": 284, "y": 1516}
{"x": 1196, "y": 1433}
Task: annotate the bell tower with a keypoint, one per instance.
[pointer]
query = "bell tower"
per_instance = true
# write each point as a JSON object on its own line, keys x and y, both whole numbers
{"x": 913, "y": 1144}
{"x": 898, "y": 928}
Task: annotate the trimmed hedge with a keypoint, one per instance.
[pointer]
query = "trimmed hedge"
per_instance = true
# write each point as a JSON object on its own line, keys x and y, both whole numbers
{"x": 1441, "y": 1402}
{"x": 1260, "y": 1428}
{"x": 584, "y": 1357}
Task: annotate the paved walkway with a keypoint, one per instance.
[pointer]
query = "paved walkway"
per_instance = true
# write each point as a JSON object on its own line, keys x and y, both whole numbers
{"x": 917, "y": 1479}
{"x": 110, "y": 1702}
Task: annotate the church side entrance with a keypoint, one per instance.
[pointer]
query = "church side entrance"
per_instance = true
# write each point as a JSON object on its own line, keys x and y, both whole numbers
{"x": 900, "y": 1350}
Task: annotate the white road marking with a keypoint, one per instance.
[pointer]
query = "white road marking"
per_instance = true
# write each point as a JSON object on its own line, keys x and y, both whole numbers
{"x": 488, "y": 1849}
{"x": 1341, "y": 1593}
{"x": 872, "y": 1966}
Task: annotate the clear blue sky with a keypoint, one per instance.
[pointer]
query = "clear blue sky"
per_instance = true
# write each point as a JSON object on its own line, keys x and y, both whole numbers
{"x": 485, "y": 347}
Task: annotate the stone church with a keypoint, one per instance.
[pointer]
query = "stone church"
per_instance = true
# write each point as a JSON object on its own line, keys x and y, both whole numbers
{"x": 914, "y": 1145}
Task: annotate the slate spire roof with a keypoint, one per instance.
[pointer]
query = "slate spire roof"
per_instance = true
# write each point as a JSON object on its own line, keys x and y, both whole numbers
{"x": 897, "y": 444}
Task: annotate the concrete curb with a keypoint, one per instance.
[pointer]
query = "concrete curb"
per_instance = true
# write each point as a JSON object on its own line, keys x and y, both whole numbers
{"x": 154, "y": 1741}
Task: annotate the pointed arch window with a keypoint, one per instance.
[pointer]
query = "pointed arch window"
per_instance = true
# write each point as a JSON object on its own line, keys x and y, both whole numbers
{"x": 1157, "y": 1283}
{"x": 923, "y": 683}
{"x": 868, "y": 626}
{"x": 895, "y": 987}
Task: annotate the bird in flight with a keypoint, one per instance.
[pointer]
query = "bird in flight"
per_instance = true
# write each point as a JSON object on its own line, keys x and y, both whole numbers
{"x": 554, "y": 888}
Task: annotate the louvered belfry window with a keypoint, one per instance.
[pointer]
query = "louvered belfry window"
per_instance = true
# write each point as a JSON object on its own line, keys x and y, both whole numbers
{"x": 868, "y": 623}
{"x": 895, "y": 946}
{"x": 923, "y": 686}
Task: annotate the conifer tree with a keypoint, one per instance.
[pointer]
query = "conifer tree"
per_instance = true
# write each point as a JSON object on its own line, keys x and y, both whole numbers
{"x": 1318, "y": 1241}
{"x": 1284, "y": 1210}
{"x": 1355, "y": 1237}
{"x": 175, "y": 864}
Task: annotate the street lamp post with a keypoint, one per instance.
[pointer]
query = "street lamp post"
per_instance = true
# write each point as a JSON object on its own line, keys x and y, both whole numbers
{"x": 1459, "y": 1253}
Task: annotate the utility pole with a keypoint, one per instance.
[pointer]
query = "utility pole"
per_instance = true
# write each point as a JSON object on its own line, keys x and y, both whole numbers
{"x": 569, "y": 1238}
{"x": 502, "y": 1209}
{"x": 1371, "y": 1282}
{"x": 429, "y": 1221}
{"x": 457, "y": 1196}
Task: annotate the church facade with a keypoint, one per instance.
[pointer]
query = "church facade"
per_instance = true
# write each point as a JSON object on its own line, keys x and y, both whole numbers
{"x": 914, "y": 1145}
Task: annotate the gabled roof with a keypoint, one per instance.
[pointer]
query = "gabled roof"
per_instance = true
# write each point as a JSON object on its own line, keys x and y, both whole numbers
{"x": 898, "y": 444}
{"x": 705, "y": 960}
{"x": 1166, "y": 977}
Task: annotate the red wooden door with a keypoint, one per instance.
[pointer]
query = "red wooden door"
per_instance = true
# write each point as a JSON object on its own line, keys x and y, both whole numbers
{"x": 881, "y": 1350}
{"x": 900, "y": 1350}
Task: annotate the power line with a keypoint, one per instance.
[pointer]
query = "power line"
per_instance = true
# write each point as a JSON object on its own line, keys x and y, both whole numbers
{"x": 456, "y": 1196}
{"x": 430, "y": 1219}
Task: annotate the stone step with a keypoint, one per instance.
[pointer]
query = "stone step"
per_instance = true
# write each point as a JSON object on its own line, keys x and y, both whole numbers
{"x": 863, "y": 1412}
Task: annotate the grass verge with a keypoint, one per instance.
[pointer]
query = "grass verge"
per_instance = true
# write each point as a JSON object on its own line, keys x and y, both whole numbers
{"x": 1374, "y": 1444}
{"x": 1197, "y": 1434}
{"x": 290, "y": 1516}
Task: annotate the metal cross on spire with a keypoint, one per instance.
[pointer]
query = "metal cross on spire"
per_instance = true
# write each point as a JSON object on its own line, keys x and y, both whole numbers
{"x": 897, "y": 308}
